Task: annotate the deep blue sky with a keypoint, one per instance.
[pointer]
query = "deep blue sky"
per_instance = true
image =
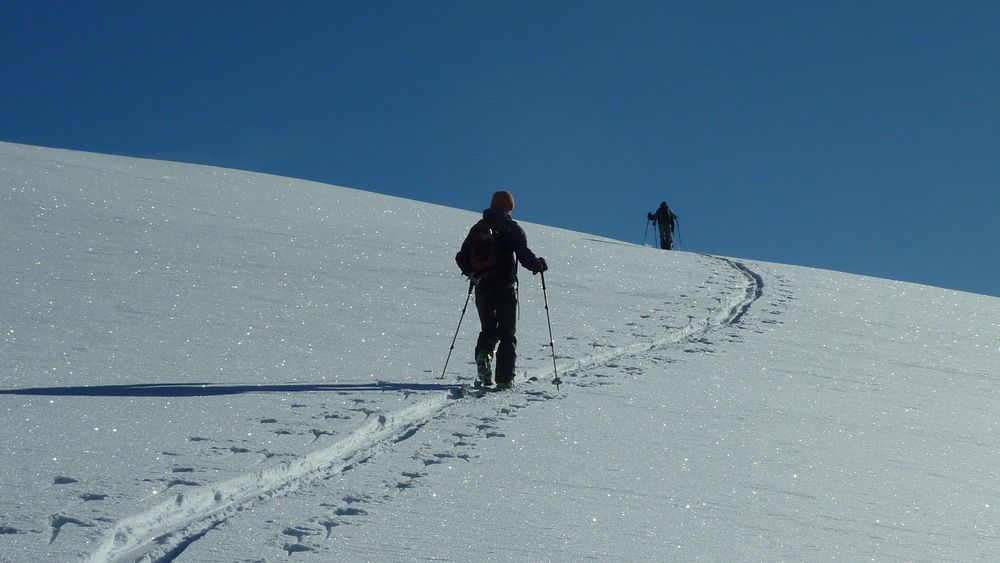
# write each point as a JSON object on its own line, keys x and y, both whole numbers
{"x": 858, "y": 136}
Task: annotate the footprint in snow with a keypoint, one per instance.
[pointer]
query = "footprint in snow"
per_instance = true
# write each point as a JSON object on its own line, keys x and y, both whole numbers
{"x": 329, "y": 525}
{"x": 317, "y": 433}
{"x": 291, "y": 548}
{"x": 298, "y": 532}
{"x": 182, "y": 483}
{"x": 350, "y": 512}
{"x": 57, "y": 521}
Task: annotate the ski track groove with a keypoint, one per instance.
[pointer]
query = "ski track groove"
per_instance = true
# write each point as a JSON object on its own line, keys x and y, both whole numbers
{"x": 161, "y": 533}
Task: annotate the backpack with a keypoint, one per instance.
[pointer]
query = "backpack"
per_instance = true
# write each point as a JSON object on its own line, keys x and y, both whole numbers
{"x": 669, "y": 218}
{"x": 484, "y": 247}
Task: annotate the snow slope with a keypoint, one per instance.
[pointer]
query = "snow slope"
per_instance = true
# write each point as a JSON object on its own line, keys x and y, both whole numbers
{"x": 202, "y": 364}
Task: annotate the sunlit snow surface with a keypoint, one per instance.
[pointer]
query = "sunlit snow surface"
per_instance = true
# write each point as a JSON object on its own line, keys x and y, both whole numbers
{"x": 201, "y": 364}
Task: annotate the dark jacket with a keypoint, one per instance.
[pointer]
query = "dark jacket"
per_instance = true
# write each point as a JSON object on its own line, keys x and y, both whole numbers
{"x": 665, "y": 217}
{"x": 512, "y": 243}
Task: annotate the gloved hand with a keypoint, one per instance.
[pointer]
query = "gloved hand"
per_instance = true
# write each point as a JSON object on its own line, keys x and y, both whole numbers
{"x": 474, "y": 278}
{"x": 542, "y": 266}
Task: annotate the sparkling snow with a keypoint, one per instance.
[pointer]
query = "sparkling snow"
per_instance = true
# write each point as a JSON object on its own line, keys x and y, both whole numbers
{"x": 199, "y": 364}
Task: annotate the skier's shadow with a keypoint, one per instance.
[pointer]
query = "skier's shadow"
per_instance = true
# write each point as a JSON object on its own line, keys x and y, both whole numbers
{"x": 215, "y": 389}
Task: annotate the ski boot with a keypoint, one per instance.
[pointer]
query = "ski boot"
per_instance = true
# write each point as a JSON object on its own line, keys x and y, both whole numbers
{"x": 484, "y": 366}
{"x": 505, "y": 385}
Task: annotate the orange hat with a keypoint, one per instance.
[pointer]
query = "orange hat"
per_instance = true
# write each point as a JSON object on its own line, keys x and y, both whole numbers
{"x": 503, "y": 200}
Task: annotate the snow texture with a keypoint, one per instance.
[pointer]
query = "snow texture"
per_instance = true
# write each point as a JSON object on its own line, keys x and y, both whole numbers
{"x": 200, "y": 364}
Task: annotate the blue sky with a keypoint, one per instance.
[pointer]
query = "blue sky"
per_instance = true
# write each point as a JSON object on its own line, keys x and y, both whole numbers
{"x": 856, "y": 136}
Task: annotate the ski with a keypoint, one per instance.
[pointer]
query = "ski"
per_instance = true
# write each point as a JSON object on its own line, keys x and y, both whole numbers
{"x": 478, "y": 390}
{"x": 467, "y": 390}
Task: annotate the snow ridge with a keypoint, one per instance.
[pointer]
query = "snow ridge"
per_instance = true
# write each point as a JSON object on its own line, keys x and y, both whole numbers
{"x": 164, "y": 531}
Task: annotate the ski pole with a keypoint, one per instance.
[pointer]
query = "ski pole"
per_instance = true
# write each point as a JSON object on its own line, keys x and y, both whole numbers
{"x": 552, "y": 344}
{"x": 450, "y": 350}
{"x": 645, "y": 233}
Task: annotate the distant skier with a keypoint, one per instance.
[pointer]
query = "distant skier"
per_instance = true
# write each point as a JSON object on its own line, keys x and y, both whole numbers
{"x": 667, "y": 221}
{"x": 487, "y": 257}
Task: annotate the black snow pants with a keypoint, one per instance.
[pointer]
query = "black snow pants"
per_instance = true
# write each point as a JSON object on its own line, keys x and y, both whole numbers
{"x": 666, "y": 236}
{"x": 497, "y": 306}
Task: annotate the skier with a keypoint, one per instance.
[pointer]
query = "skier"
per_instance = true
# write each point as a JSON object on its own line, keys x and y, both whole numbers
{"x": 667, "y": 221}
{"x": 487, "y": 257}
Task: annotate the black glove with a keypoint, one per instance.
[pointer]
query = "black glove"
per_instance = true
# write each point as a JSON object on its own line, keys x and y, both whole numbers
{"x": 474, "y": 278}
{"x": 542, "y": 266}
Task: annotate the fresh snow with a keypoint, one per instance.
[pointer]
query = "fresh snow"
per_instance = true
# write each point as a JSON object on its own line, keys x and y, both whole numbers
{"x": 201, "y": 364}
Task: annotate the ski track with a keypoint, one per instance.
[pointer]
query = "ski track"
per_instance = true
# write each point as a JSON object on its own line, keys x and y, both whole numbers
{"x": 165, "y": 531}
